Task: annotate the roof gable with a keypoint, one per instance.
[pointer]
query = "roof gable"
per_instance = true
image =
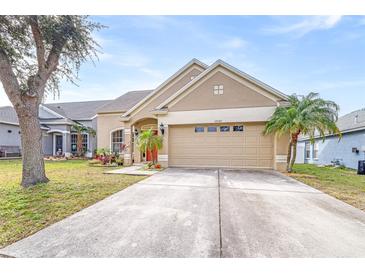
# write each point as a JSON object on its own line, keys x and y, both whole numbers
{"x": 352, "y": 121}
{"x": 8, "y": 115}
{"x": 259, "y": 86}
{"x": 157, "y": 91}
{"x": 235, "y": 94}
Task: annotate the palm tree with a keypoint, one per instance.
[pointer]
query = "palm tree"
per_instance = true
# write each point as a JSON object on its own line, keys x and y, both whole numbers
{"x": 80, "y": 129}
{"x": 148, "y": 141}
{"x": 308, "y": 115}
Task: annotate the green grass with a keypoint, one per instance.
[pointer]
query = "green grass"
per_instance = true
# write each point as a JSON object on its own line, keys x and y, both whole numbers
{"x": 344, "y": 184}
{"x": 73, "y": 186}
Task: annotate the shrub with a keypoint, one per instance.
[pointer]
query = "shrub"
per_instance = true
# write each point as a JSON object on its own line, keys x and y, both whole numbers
{"x": 119, "y": 161}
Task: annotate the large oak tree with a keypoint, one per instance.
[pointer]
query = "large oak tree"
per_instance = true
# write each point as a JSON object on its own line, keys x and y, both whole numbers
{"x": 36, "y": 53}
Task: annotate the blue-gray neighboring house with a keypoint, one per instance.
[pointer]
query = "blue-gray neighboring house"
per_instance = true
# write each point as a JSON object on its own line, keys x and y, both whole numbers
{"x": 56, "y": 123}
{"x": 348, "y": 151}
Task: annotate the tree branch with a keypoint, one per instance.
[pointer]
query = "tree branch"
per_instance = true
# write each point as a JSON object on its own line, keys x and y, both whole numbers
{"x": 50, "y": 65}
{"x": 9, "y": 80}
{"x": 38, "y": 38}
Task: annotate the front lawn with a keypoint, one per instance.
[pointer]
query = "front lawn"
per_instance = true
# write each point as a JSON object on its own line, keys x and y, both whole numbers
{"x": 344, "y": 184}
{"x": 73, "y": 186}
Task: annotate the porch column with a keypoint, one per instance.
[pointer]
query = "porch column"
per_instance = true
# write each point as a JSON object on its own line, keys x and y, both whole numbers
{"x": 136, "y": 153}
{"x": 280, "y": 151}
{"x": 128, "y": 149}
{"x": 163, "y": 154}
{"x": 67, "y": 144}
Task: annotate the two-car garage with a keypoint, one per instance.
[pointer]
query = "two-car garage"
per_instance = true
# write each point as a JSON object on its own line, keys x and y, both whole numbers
{"x": 232, "y": 145}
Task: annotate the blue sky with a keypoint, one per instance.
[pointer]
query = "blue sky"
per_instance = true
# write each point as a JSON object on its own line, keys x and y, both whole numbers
{"x": 295, "y": 54}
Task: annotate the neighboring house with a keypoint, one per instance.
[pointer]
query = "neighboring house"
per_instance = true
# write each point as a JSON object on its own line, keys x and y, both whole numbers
{"x": 209, "y": 116}
{"x": 10, "y": 142}
{"x": 349, "y": 150}
{"x": 56, "y": 122}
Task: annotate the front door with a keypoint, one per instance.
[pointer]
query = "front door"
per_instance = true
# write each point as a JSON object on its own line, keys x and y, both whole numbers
{"x": 59, "y": 146}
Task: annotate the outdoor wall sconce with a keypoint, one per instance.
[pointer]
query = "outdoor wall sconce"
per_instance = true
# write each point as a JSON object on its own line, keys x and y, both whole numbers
{"x": 355, "y": 150}
{"x": 9, "y": 131}
{"x": 136, "y": 132}
{"x": 162, "y": 128}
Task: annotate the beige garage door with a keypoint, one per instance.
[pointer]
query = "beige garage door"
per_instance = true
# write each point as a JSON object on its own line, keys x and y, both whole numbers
{"x": 221, "y": 145}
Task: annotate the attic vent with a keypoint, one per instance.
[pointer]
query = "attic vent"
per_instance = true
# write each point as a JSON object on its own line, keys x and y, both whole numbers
{"x": 356, "y": 119}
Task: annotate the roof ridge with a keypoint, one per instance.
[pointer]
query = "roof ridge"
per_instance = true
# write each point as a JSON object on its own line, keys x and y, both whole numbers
{"x": 352, "y": 112}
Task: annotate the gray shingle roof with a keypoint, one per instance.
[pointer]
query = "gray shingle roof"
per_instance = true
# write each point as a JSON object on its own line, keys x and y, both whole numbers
{"x": 77, "y": 110}
{"x": 352, "y": 121}
{"x": 8, "y": 115}
{"x": 124, "y": 102}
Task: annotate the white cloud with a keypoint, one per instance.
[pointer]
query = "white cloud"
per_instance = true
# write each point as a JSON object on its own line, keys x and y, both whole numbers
{"x": 156, "y": 22}
{"x": 124, "y": 56}
{"x": 342, "y": 84}
{"x": 309, "y": 24}
{"x": 153, "y": 72}
{"x": 234, "y": 43}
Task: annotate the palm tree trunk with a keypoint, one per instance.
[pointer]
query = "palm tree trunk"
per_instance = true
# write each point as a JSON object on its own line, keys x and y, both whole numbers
{"x": 288, "y": 157}
{"x": 293, "y": 141}
{"x": 294, "y": 155}
{"x": 153, "y": 156}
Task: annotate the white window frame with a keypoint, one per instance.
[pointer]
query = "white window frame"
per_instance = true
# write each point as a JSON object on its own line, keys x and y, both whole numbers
{"x": 111, "y": 138}
{"x": 238, "y": 130}
{"x": 87, "y": 141}
{"x": 315, "y": 148}
{"x": 228, "y": 126}
{"x": 200, "y": 127}
{"x": 218, "y": 89}
{"x": 307, "y": 148}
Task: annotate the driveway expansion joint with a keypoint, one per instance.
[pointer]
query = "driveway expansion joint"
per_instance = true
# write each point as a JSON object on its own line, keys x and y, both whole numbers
{"x": 274, "y": 190}
{"x": 169, "y": 185}
{"x": 220, "y": 217}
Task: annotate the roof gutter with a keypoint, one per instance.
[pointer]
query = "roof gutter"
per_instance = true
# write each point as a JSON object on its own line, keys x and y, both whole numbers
{"x": 330, "y": 135}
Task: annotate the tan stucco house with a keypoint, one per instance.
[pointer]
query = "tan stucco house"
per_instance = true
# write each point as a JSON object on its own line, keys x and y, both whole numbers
{"x": 209, "y": 116}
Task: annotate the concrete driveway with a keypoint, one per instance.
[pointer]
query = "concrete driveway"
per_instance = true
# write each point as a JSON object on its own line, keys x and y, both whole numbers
{"x": 206, "y": 213}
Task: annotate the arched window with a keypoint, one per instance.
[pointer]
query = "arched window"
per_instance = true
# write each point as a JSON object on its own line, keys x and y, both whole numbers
{"x": 117, "y": 139}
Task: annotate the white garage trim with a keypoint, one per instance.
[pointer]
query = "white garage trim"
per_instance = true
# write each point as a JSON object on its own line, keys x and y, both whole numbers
{"x": 280, "y": 158}
{"x": 255, "y": 114}
{"x": 163, "y": 157}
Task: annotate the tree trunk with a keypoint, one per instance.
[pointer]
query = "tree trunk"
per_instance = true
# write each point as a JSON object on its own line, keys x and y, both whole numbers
{"x": 293, "y": 141}
{"x": 32, "y": 153}
{"x": 288, "y": 157}
{"x": 294, "y": 155}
